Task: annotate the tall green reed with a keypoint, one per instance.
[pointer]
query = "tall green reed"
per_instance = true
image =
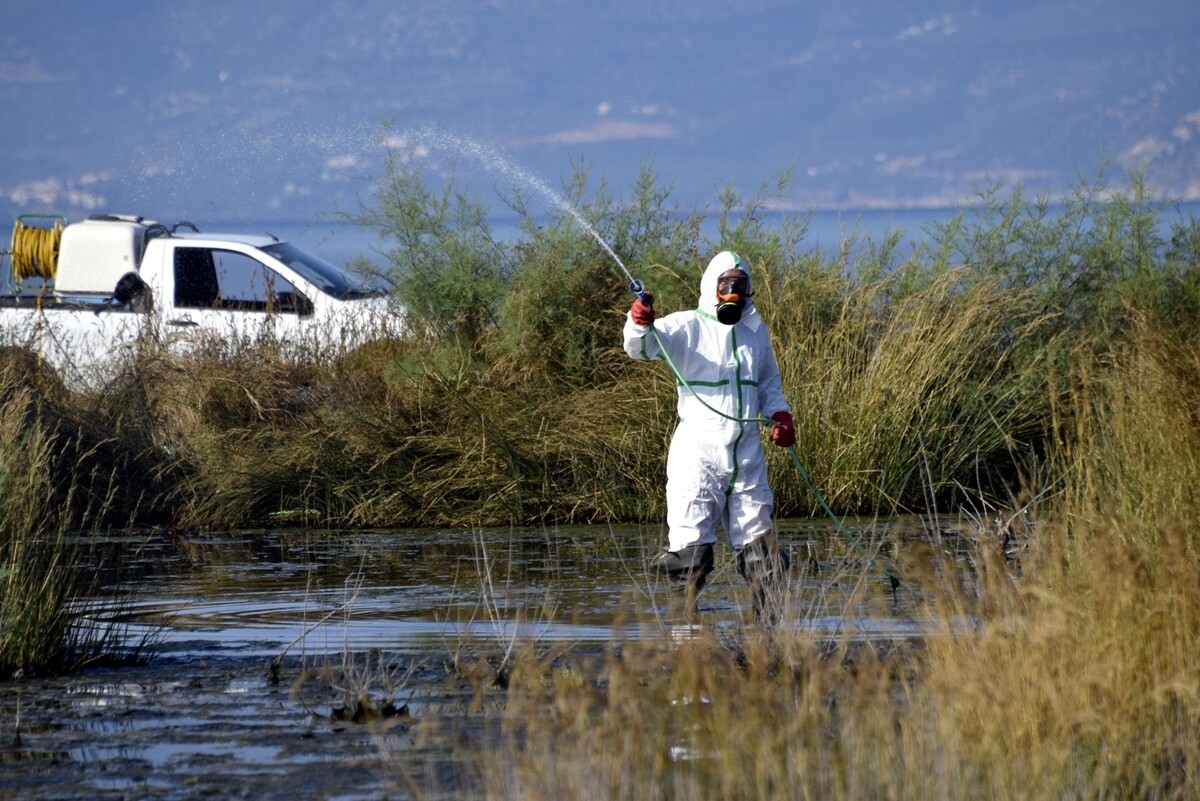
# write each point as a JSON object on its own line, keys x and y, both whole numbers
{"x": 47, "y": 573}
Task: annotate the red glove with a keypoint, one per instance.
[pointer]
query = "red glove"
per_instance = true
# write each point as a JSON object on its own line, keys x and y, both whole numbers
{"x": 783, "y": 433}
{"x": 643, "y": 310}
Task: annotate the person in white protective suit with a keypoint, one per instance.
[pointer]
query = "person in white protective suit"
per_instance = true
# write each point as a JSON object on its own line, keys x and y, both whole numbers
{"x": 716, "y": 468}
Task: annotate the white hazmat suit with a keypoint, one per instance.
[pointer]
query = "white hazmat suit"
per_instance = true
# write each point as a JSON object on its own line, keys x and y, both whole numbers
{"x": 716, "y": 469}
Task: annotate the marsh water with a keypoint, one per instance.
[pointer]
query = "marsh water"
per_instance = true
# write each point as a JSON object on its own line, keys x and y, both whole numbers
{"x": 262, "y": 641}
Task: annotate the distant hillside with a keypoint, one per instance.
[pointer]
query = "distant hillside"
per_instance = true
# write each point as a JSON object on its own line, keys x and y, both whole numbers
{"x": 259, "y": 109}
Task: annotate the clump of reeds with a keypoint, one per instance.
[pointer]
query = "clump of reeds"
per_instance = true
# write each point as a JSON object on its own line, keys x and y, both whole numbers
{"x": 396, "y": 432}
{"x": 902, "y": 384}
{"x": 34, "y": 585}
{"x": 45, "y": 576}
{"x": 1082, "y": 682}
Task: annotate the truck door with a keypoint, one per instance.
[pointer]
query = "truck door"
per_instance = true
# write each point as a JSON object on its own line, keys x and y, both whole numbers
{"x": 228, "y": 293}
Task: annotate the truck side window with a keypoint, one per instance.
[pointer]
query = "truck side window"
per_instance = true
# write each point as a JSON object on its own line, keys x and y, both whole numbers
{"x": 195, "y": 279}
{"x": 238, "y": 283}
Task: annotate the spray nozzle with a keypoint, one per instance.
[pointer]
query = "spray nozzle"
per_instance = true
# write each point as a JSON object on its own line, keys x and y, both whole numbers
{"x": 638, "y": 288}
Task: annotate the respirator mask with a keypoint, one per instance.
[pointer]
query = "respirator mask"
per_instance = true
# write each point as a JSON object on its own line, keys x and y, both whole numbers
{"x": 732, "y": 292}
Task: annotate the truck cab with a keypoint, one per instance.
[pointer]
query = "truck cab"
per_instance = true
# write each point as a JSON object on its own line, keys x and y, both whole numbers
{"x": 242, "y": 285}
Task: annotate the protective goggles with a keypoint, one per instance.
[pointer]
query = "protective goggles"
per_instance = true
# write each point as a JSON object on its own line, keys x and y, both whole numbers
{"x": 732, "y": 286}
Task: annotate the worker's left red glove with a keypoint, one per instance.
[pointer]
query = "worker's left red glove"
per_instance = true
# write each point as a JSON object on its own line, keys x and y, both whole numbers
{"x": 783, "y": 433}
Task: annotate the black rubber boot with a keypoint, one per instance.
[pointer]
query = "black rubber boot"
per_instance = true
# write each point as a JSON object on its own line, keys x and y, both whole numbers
{"x": 764, "y": 565}
{"x": 686, "y": 570}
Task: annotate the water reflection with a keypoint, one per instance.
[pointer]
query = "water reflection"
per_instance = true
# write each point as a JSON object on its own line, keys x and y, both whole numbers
{"x": 259, "y": 592}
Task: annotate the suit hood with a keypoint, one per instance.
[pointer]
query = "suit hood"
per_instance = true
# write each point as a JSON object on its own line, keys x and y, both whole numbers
{"x": 726, "y": 260}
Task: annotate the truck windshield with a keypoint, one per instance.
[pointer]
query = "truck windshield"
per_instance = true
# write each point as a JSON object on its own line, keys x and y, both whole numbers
{"x": 332, "y": 280}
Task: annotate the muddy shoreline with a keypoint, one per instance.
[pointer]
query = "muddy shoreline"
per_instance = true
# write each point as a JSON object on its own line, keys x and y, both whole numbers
{"x": 194, "y": 728}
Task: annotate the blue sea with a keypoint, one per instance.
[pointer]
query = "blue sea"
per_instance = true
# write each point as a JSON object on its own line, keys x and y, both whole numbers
{"x": 339, "y": 244}
{"x": 826, "y": 230}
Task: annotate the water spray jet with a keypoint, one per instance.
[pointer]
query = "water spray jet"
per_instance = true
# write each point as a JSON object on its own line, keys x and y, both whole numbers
{"x": 496, "y": 162}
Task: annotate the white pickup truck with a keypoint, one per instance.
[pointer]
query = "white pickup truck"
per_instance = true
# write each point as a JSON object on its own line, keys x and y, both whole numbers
{"x": 79, "y": 294}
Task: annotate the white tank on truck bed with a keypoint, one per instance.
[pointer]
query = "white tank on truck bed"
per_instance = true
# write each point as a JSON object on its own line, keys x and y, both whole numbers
{"x": 96, "y": 252}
